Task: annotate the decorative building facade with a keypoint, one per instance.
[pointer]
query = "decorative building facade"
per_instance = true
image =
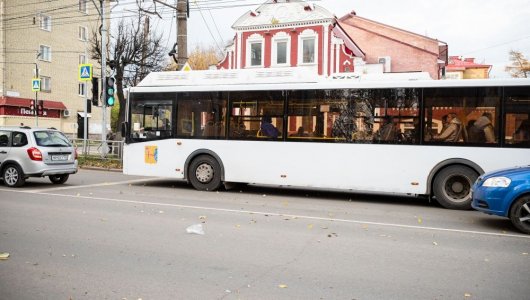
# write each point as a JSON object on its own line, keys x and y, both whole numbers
{"x": 291, "y": 33}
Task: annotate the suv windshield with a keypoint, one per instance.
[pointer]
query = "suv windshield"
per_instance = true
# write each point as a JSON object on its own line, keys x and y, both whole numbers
{"x": 51, "y": 139}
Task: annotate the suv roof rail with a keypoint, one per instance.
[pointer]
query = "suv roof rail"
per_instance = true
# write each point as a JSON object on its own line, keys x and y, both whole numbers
{"x": 52, "y": 128}
{"x": 25, "y": 127}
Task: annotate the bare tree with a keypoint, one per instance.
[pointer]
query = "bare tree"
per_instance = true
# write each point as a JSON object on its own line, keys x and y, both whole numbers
{"x": 520, "y": 67}
{"x": 134, "y": 50}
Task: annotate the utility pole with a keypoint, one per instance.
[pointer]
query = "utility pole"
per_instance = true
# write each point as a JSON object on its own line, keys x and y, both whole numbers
{"x": 103, "y": 78}
{"x": 182, "y": 33}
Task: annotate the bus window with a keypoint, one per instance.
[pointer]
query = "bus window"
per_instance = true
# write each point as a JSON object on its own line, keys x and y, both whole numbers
{"x": 256, "y": 115}
{"x": 462, "y": 115}
{"x": 355, "y": 115}
{"x": 517, "y": 117}
{"x": 201, "y": 114}
{"x": 151, "y": 116}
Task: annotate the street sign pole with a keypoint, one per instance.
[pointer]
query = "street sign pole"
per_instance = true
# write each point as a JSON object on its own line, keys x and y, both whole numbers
{"x": 36, "y": 109}
{"x": 103, "y": 83}
{"x": 85, "y": 121}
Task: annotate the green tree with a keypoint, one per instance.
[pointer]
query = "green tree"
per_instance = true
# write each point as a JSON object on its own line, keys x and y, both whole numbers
{"x": 520, "y": 66}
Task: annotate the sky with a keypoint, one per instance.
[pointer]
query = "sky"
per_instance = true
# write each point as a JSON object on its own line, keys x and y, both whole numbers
{"x": 484, "y": 29}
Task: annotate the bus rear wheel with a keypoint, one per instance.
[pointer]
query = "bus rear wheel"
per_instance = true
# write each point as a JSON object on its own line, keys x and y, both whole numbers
{"x": 452, "y": 187}
{"x": 205, "y": 173}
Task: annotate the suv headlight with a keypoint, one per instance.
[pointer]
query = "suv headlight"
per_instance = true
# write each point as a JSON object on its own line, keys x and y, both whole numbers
{"x": 497, "y": 182}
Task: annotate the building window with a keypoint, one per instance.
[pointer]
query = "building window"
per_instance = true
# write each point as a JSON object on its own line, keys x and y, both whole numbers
{"x": 83, "y": 6}
{"x": 46, "y": 84}
{"x": 82, "y": 33}
{"x": 46, "y": 22}
{"x": 281, "y": 49}
{"x": 82, "y": 59}
{"x": 281, "y": 53}
{"x": 45, "y": 53}
{"x": 254, "y": 51}
{"x": 82, "y": 89}
{"x": 308, "y": 51}
{"x": 255, "y": 54}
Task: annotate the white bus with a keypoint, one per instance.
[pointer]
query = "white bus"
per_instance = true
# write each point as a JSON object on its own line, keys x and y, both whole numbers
{"x": 349, "y": 133}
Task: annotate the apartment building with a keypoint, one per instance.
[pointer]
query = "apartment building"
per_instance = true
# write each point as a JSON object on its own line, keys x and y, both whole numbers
{"x": 53, "y": 37}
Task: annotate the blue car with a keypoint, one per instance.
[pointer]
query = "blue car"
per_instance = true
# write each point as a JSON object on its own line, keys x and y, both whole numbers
{"x": 505, "y": 193}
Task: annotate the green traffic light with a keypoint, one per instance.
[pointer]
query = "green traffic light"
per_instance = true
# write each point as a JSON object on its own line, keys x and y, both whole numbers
{"x": 110, "y": 101}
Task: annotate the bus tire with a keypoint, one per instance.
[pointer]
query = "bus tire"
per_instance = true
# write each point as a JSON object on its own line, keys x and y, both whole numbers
{"x": 205, "y": 173}
{"x": 452, "y": 187}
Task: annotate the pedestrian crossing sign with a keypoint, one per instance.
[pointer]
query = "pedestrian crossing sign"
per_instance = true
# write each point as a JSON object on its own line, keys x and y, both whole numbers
{"x": 186, "y": 67}
{"x": 35, "y": 85}
{"x": 85, "y": 72}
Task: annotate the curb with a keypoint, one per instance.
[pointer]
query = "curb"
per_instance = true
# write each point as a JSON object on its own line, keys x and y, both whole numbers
{"x": 102, "y": 169}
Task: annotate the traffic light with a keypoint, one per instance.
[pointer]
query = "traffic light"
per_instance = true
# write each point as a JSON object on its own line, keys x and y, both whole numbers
{"x": 109, "y": 92}
{"x": 40, "y": 107}
{"x": 95, "y": 91}
{"x": 32, "y": 105}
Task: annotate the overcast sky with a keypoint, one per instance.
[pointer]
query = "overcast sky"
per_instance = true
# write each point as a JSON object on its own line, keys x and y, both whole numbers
{"x": 483, "y": 29}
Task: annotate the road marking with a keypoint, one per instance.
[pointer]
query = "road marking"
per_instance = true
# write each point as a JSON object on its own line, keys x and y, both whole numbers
{"x": 237, "y": 211}
{"x": 88, "y": 185}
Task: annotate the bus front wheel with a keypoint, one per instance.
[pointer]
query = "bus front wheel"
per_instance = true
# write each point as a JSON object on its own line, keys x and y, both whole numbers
{"x": 452, "y": 187}
{"x": 205, "y": 173}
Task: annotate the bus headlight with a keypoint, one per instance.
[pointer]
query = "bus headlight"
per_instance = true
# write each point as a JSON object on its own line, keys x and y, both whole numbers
{"x": 497, "y": 182}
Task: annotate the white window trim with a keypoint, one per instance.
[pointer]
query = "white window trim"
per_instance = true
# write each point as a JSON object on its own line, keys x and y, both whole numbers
{"x": 82, "y": 59}
{"x": 83, "y": 37}
{"x": 281, "y": 37}
{"x": 42, "y": 17}
{"x": 41, "y": 57}
{"x": 255, "y": 38}
{"x": 46, "y": 88}
{"x": 307, "y": 34}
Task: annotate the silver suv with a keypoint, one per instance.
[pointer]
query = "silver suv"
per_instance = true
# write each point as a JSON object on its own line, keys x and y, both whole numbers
{"x": 35, "y": 152}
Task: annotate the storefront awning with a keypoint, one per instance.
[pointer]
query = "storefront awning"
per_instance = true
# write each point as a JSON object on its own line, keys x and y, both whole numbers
{"x": 24, "y": 102}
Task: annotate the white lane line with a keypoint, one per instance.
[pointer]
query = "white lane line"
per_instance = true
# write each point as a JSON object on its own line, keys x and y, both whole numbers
{"x": 237, "y": 211}
{"x": 84, "y": 186}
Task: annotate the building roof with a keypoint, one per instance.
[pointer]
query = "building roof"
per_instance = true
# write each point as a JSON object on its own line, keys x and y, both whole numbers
{"x": 458, "y": 63}
{"x": 279, "y": 13}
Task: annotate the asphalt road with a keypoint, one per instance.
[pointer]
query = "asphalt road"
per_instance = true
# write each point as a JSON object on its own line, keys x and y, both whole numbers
{"x": 104, "y": 235}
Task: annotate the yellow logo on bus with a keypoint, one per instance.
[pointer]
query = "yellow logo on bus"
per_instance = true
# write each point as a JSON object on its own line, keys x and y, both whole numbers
{"x": 151, "y": 155}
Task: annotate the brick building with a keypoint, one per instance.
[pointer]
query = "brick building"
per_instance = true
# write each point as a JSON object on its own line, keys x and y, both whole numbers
{"x": 283, "y": 33}
{"x": 53, "y": 36}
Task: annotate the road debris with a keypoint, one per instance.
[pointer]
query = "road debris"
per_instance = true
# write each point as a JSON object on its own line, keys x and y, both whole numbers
{"x": 195, "y": 229}
{"x": 4, "y": 256}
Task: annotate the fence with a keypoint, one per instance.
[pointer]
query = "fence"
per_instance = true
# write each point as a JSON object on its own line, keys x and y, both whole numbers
{"x": 97, "y": 148}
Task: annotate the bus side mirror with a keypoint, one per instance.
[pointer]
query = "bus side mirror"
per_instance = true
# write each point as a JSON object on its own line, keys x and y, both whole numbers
{"x": 124, "y": 127}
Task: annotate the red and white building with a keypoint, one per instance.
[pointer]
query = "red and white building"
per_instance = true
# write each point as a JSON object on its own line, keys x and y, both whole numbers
{"x": 294, "y": 33}
{"x": 283, "y": 33}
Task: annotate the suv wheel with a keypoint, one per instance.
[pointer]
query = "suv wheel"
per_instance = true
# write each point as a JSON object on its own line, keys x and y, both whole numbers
{"x": 13, "y": 176}
{"x": 58, "y": 179}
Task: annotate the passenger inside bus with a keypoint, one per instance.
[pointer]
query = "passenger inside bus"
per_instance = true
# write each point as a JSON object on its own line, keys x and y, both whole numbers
{"x": 387, "y": 132}
{"x": 522, "y": 134}
{"x": 267, "y": 129}
{"x": 482, "y": 130}
{"x": 453, "y": 132}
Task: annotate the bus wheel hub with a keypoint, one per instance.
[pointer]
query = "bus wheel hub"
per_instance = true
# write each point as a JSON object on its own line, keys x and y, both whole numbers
{"x": 204, "y": 173}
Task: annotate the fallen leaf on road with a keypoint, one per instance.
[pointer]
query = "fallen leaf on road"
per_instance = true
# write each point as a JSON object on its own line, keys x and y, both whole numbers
{"x": 282, "y": 286}
{"x": 4, "y": 256}
{"x": 310, "y": 226}
{"x": 435, "y": 243}
{"x": 525, "y": 253}
{"x": 420, "y": 220}
{"x": 285, "y": 203}
{"x": 467, "y": 295}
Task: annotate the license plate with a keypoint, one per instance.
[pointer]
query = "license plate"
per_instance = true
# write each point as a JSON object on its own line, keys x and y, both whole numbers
{"x": 59, "y": 157}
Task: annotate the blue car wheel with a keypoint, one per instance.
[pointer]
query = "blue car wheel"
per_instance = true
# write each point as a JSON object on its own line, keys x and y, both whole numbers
{"x": 520, "y": 214}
